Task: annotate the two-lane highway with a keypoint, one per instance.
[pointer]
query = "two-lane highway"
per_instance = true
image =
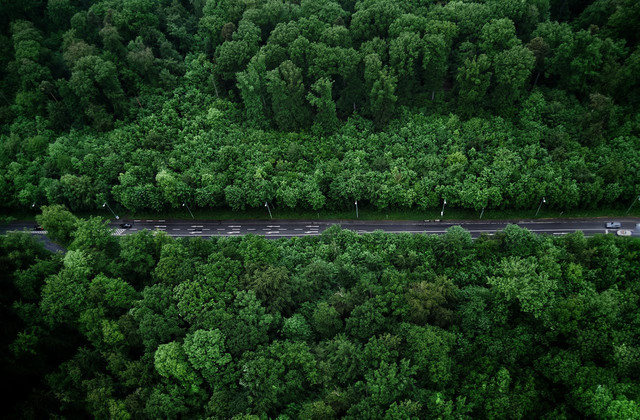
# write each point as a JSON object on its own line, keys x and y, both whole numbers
{"x": 290, "y": 228}
{"x": 279, "y": 228}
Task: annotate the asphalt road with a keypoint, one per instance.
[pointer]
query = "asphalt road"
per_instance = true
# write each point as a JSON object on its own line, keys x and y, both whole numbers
{"x": 279, "y": 228}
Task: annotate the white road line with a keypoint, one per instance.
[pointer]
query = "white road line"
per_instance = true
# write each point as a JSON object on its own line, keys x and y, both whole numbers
{"x": 312, "y": 226}
{"x": 297, "y": 229}
{"x": 161, "y": 226}
{"x": 266, "y": 229}
{"x": 231, "y": 232}
{"x": 251, "y": 229}
{"x": 282, "y": 229}
{"x": 272, "y": 226}
{"x": 150, "y": 220}
{"x": 206, "y": 229}
{"x": 232, "y": 226}
{"x": 190, "y": 229}
{"x": 175, "y": 229}
{"x": 161, "y": 220}
{"x": 220, "y": 229}
{"x": 134, "y": 229}
{"x": 137, "y": 220}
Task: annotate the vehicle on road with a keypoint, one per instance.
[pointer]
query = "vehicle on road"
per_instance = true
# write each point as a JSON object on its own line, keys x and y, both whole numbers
{"x": 623, "y": 233}
{"x": 125, "y": 225}
{"x": 38, "y": 227}
{"x": 613, "y": 225}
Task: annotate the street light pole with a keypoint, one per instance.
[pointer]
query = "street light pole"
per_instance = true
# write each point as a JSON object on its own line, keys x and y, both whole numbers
{"x": 357, "y": 217}
{"x": 632, "y": 203}
{"x": 442, "y": 211}
{"x": 482, "y": 212}
{"x": 185, "y": 205}
{"x": 543, "y": 201}
{"x": 112, "y": 212}
{"x": 266, "y": 204}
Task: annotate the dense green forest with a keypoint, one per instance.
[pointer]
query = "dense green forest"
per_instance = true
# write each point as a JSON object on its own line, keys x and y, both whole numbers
{"x": 310, "y": 104}
{"x": 372, "y": 326}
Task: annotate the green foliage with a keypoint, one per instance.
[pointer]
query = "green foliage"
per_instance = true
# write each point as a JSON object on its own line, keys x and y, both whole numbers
{"x": 341, "y": 325}
{"x": 59, "y": 223}
{"x": 312, "y": 105}
{"x": 487, "y": 104}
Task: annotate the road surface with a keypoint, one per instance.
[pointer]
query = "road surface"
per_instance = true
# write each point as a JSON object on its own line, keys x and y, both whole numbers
{"x": 280, "y": 228}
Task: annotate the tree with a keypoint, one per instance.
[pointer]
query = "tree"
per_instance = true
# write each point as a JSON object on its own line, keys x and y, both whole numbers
{"x": 286, "y": 87}
{"x": 272, "y": 286}
{"x": 64, "y": 296}
{"x": 91, "y": 80}
{"x": 326, "y": 120}
{"x": 95, "y": 237}
{"x": 473, "y": 81}
{"x": 431, "y": 301}
{"x": 519, "y": 280}
{"x": 206, "y": 353}
{"x": 512, "y": 69}
{"x": 252, "y": 88}
{"x": 434, "y": 61}
{"x": 59, "y": 223}
{"x": 249, "y": 326}
{"x": 326, "y": 320}
{"x": 171, "y": 362}
{"x": 429, "y": 350}
{"x": 296, "y": 328}
{"x": 382, "y": 97}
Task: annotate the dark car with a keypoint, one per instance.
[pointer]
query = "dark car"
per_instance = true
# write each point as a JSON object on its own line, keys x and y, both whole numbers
{"x": 125, "y": 225}
{"x": 38, "y": 227}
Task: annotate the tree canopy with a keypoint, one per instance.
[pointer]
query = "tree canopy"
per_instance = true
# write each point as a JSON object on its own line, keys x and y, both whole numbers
{"x": 313, "y": 104}
{"x": 338, "y": 325}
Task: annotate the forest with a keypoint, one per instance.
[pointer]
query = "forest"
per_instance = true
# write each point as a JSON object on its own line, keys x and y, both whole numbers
{"x": 341, "y": 325}
{"x": 310, "y": 104}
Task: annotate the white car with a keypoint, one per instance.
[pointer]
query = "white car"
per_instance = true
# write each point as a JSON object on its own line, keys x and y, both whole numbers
{"x": 623, "y": 233}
